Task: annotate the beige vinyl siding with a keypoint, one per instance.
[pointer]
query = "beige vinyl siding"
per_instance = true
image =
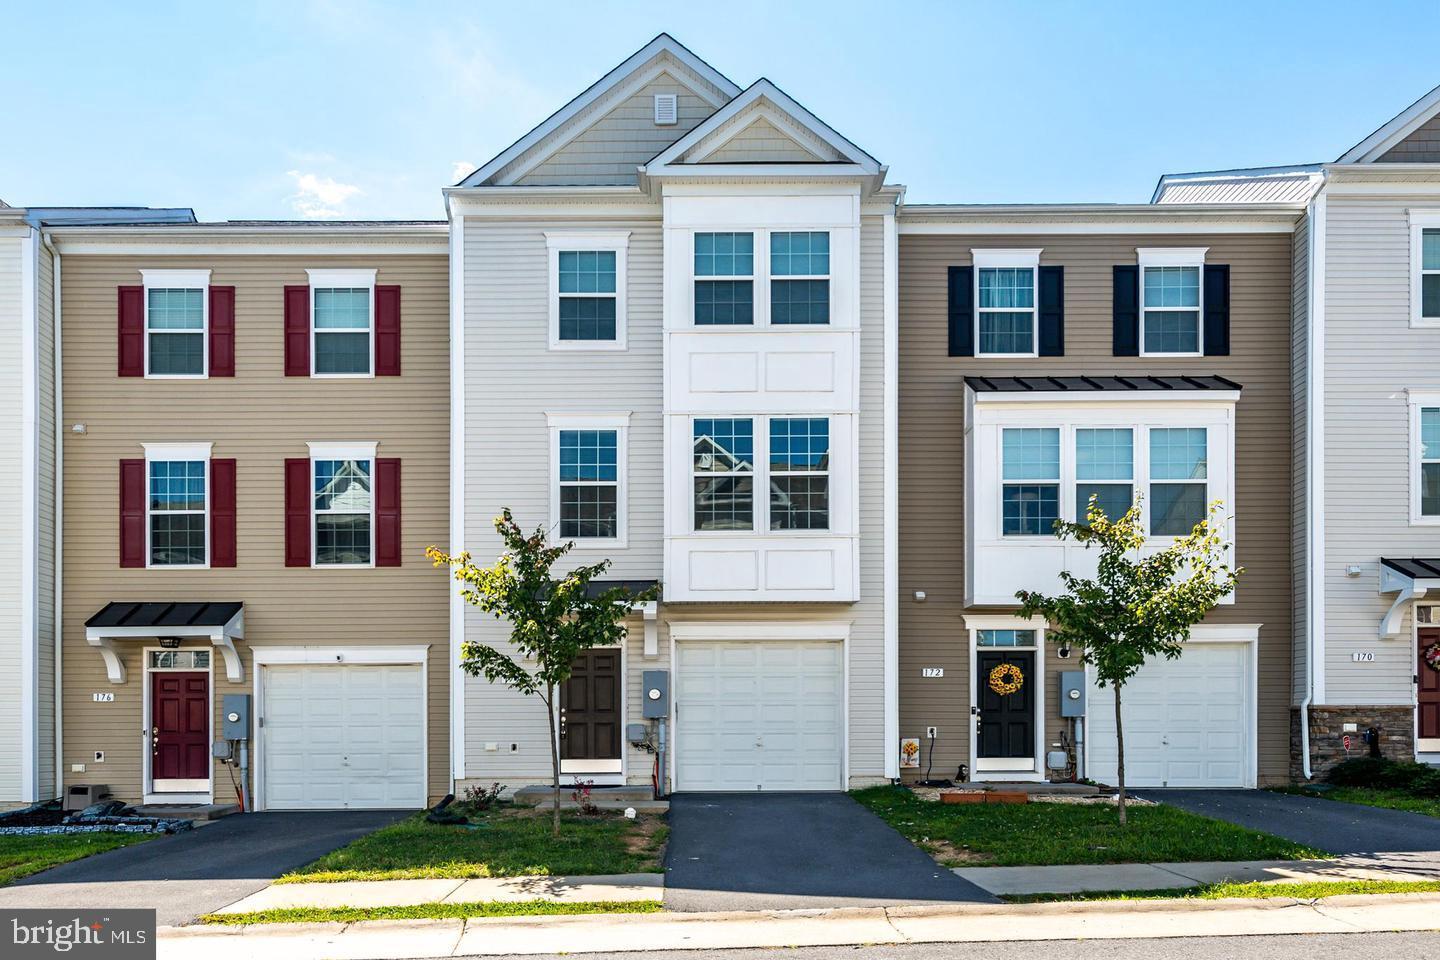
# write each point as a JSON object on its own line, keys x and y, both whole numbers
{"x": 1422, "y": 146}
{"x": 259, "y": 417}
{"x": 12, "y": 547}
{"x": 762, "y": 142}
{"x": 610, "y": 149}
{"x": 45, "y": 531}
{"x": 932, "y": 463}
{"x": 1300, "y": 449}
{"x": 1372, "y": 357}
{"x": 508, "y": 364}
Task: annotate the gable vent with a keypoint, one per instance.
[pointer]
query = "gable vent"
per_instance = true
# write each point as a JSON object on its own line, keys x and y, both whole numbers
{"x": 666, "y": 109}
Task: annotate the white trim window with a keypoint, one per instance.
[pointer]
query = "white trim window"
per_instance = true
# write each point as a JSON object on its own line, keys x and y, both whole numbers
{"x": 799, "y": 277}
{"x": 726, "y": 474}
{"x": 1425, "y": 458}
{"x": 724, "y": 279}
{"x": 1172, "y": 301}
{"x": 1179, "y": 471}
{"x": 1105, "y": 470}
{"x": 1030, "y": 469}
{"x": 342, "y": 323}
{"x": 723, "y": 465}
{"x": 177, "y": 324}
{"x": 177, "y": 505}
{"x": 1425, "y": 268}
{"x": 342, "y": 505}
{"x": 587, "y": 290}
{"x": 799, "y": 473}
{"x": 1006, "y": 295}
{"x": 588, "y": 489}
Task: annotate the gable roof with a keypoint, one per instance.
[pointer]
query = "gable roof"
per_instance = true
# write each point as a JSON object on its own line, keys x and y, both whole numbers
{"x": 1288, "y": 184}
{"x": 1396, "y": 129}
{"x": 662, "y": 45}
{"x": 852, "y": 160}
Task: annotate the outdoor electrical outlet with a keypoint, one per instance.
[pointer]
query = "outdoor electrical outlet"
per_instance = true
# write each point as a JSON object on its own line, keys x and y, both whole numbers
{"x": 514, "y": 747}
{"x": 930, "y": 733}
{"x": 491, "y": 746}
{"x": 99, "y": 756}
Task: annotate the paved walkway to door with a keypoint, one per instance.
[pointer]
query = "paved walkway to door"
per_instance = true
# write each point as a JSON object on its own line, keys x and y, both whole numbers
{"x": 1339, "y": 828}
{"x": 786, "y": 851}
{"x": 200, "y": 871}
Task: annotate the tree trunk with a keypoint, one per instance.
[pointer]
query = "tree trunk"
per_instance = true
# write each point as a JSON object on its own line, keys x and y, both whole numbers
{"x": 1120, "y": 755}
{"x": 554, "y": 757}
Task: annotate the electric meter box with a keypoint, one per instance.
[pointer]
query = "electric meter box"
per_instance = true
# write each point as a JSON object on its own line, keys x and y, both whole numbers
{"x": 1072, "y": 693}
{"x": 655, "y": 694}
{"x": 235, "y": 716}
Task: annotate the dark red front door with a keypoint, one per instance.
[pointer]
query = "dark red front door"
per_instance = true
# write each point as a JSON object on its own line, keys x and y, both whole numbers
{"x": 179, "y": 729}
{"x": 1428, "y": 687}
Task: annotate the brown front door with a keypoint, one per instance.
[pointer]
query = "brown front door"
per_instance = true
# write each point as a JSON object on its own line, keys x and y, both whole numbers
{"x": 1427, "y": 690}
{"x": 180, "y": 732}
{"x": 590, "y": 707}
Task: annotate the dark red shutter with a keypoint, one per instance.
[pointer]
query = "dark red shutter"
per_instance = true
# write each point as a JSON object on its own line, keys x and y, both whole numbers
{"x": 132, "y": 513}
{"x": 222, "y": 331}
{"x": 132, "y": 332}
{"x": 297, "y": 334}
{"x": 387, "y": 511}
{"x": 387, "y": 331}
{"x": 222, "y": 513}
{"x": 297, "y": 512}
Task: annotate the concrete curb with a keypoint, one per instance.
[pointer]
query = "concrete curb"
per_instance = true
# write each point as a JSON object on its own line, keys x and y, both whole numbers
{"x": 972, "y": 923}
{"x": 405, "y": 893}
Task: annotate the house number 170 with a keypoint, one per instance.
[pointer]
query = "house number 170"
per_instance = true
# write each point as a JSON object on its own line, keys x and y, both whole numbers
{"x": 1362, "y": 656}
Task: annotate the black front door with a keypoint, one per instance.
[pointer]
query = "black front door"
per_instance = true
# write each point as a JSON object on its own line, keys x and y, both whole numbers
{"x": 1007, "y": 721}
{"x": 590, "y": 707}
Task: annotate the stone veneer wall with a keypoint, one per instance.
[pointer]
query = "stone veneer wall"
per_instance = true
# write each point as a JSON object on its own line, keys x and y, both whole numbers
{"x": 1327, "y": 730}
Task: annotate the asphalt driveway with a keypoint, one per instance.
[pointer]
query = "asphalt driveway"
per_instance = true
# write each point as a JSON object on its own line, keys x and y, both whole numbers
{"x": 212, "y": 866}
{"x": 1340, "y": 828}
{"x": 787, "y": 851}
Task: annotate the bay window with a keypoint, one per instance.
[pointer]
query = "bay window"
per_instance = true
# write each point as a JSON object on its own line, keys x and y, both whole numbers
{"x": 724, "y": 279}
{"x": 1030, "y": 495}
{"x": 1105, "y": 470}
{"x": 726, "y": 473}
{"x": 1178, "y": 465}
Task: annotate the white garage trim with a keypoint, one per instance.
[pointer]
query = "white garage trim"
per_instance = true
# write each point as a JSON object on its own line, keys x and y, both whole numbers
{"x": 1237, "y": 633}
{"x": 317, "y": 656}
{"x": 820, "y": 631}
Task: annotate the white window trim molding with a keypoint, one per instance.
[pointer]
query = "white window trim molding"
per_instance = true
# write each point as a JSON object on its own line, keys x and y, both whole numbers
{"x": 340, "y": 451}
{"x": 992, "y": 259}
{"x": 760, "y": 474}
{"x": 1172, "y": 257}
{"x": 1005, "y": 770}
{"x": 760, "y": 276}
{"x": 174, "y": 453}
{"x": 330, "y": 279}
{"x": 619, "y": 422}
{"x": 1420, "y": 221}
{"x": 619, "y": 243}
{"x": 1418, "y": 400}
{"x": 177, "y": 280}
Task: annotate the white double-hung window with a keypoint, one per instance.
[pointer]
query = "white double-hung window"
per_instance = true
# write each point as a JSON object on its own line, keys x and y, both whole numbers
{"x": 1172, "y": 301}
{"x": 1424, "y": 458}
{"x": 177, "y": 502}
{"x": 177, "y": 321}
{"x": 726, "y": 473}
{"x": 342, "y": 328}
{"x": 588, "y": 477}
{"x": 587, "y": 290}
{"x": 1006, "y": 292}
{"x": 343, "y": 504}
{"x": 1424, "y": 268}
{"x": 760, "y": 278}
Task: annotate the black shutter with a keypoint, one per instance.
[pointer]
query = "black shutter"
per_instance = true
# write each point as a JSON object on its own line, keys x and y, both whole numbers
{"x": 1052, "y": 311}
{"x": 962, "y": 312}
{"x": 1126, "y": 306}
{"x": 1217, "y": 310}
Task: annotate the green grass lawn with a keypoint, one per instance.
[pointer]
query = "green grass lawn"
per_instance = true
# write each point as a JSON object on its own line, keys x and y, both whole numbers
{"x": 510, "y": 842}
{"x": 21, "y": 856}
{"x": 1310, "y": 890}
{"x": 429, "y": 911}
{"x": 1038, "y": 834}
{"x": 1373, "y": 797}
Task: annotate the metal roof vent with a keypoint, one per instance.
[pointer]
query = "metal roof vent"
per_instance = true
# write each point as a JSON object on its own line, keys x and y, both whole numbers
{"x": 667, "y": 111}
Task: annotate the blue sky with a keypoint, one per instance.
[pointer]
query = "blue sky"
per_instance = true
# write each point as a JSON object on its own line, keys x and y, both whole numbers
{"x": 315, "y": 108}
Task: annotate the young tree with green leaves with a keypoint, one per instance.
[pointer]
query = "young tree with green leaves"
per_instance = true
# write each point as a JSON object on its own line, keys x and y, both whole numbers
{"x": 552, "y": 618}
{"x": 1139, "y": 605}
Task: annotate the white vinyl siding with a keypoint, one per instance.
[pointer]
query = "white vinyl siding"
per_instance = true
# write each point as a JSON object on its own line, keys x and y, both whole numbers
{"x": 11, "y": 504}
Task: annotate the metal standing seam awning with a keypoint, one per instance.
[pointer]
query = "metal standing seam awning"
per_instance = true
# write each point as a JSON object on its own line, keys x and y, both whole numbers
{"x": 1408, "y": 579}
{"x": 222, "y": 623}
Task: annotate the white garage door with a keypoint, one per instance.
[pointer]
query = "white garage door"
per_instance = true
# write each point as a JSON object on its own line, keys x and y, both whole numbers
{"x": 759, "y": 715}
{"x": 343, "y": 737}
{"x": 1187, "y": 721}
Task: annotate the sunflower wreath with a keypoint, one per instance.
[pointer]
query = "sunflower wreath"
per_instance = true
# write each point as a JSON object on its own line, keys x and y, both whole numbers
{"x": 1006, "y": 679}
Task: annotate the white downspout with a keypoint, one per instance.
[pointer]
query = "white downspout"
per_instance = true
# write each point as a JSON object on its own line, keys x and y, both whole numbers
{"x": 1314, "y": 468}
{"x": 59, "y": 520}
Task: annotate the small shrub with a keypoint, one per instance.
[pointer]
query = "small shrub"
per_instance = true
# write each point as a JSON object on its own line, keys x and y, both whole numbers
{"x": 581, "y": 795}
{"x": 1377, "y": 773}
{"x": 479, "y": 798}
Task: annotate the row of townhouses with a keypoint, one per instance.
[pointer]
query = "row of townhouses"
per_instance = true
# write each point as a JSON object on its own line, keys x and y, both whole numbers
{"x": 692, "y": 328}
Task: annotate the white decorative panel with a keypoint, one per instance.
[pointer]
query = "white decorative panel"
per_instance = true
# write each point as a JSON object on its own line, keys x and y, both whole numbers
{"x": 728, "y": 570}
{"x": 714, "y": 371}
{"x": 797, "y": 372}
{"x": 761, "y": 567}
{"x": 797, "y": 569}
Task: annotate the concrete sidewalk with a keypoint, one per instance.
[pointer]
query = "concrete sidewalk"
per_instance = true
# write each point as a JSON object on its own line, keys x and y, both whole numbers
{"x": 958, "y": 923}
{"x": 405, "y": 893}
{"x": 1082, "y": 878}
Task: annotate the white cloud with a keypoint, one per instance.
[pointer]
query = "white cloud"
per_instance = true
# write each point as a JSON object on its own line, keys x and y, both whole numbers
{"x": 460, "y": 170}
{"x": 318, "y": 198}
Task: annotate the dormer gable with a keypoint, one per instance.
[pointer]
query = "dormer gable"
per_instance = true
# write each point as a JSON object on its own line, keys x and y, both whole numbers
{"x": 1411, "y": 136}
